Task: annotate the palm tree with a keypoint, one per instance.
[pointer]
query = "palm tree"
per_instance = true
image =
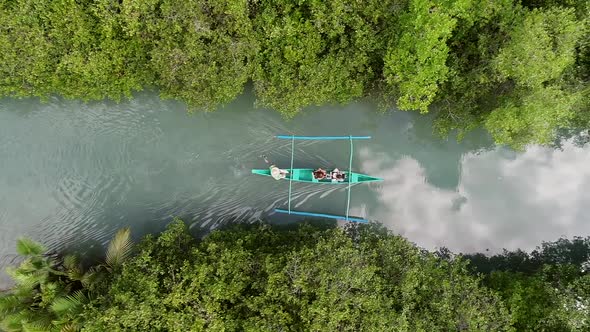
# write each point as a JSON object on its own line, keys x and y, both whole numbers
{"x": 50, "y": 293}
{"x": 25, "y": 306}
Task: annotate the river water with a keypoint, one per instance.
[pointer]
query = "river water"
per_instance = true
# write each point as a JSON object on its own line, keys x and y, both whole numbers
{"x": 72, "y": 173}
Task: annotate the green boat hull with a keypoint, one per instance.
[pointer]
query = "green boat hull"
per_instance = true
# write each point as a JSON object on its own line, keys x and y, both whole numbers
{"x": 306, "y": 175}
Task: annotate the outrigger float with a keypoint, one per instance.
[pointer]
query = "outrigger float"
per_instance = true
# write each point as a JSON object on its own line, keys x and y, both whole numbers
{"x": 306, "y": 175}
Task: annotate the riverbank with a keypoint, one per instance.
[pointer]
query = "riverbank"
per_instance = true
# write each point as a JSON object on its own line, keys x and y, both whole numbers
{"x": 519, "y": 69}
{"x": 310, "y": 276}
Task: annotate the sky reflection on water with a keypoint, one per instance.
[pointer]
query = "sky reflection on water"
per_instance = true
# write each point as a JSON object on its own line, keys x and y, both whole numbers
{"x": 503, "y": 199}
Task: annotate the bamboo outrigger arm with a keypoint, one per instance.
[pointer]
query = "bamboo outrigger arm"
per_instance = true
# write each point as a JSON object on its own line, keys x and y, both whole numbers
{"x": 346, "y": 217}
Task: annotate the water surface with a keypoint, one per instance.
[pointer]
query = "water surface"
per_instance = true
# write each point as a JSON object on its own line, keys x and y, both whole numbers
{"x": 73, "y": 173}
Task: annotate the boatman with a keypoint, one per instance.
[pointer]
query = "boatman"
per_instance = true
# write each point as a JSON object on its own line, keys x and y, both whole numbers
{"x": 278, "y": 173}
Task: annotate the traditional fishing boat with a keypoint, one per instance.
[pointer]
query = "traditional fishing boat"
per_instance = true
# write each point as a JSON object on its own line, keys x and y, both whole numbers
{"x": 307, "y": 175}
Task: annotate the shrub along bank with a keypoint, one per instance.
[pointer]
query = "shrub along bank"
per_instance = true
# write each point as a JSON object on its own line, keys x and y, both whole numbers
{"x": 518, "y": 68}
{"x": 308, "y": 277}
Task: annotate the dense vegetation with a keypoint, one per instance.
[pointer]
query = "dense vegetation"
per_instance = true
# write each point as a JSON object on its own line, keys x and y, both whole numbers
{"x": 519, "y": 68}
{"x": 547, "y": 289}
{"x": 311, "y": 277}
{"x": 51, "y": 291}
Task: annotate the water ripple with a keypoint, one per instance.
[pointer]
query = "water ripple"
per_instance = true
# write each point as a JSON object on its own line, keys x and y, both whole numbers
{"x": 74, "y": 172}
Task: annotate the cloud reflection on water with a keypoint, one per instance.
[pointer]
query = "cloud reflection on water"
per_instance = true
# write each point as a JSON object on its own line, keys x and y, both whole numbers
{"x": 503, "y": 199}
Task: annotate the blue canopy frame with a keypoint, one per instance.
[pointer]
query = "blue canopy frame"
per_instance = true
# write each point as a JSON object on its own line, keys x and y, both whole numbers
{"x": 322, "y": 215}
{"x": 321, "y": 138}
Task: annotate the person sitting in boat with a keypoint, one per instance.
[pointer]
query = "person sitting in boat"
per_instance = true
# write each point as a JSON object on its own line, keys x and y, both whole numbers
{"x": 278, "y": 173}
{"x": 337, "y": 175}
{"x": 319, "y": 174}
{"x": 334, "y": 172}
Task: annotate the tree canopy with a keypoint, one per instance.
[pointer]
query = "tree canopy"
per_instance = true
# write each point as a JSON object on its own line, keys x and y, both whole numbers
{"x": 545, "y": 290}
{"x": 259, "y": 278}
{"x": 520, "y": 69}
{"x": 317, "y": 52}
{"x": 306, "y": 277}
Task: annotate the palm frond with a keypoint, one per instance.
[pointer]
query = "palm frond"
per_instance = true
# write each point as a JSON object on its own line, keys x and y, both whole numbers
{"x": 28, "y": 247}
{"x": 27, "y": 279}
{"x": 70, "y": 327}
{"x": 10, "y": 304}
{"x": 62, "y": 305}
{"x": 79, "y": 296}
{"x": 69, "y": 304}
{"x": 35, "y": 327}
{"x": 37, "y": 321}
{"x": 19, "y": 320}
{"x": 28, "y": 293}
{"x": 49, "y": 291}
{"x": 72, "y": 266}
{"x": 51, "y": 287}
{"x": 92, "y": 276}
{"x": 70, "y": 261}
{"x": 12, "y": 322}
{"x": 119, "y": 248}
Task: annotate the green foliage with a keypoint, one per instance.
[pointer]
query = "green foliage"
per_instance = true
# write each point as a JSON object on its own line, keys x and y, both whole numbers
{"x": 28, "y": 247}
{"x": 51, "y": 293}
{"x": 202, "y": 50}
{"x": 307, "y": 277}
{"x": 541, "y": 48}
{"x": 575, "y": 304}
{"x": 416, "y": 62}
{"x": 27, "y": 58}
{"x": 40, "y": 283}
{"x": 69, "y": 303}
{"x": 258, "y": 278}
{"x": 67, "y": 47}
{"x": 546, "y": 290}
{"x": 318, "y": 52}
{"x": 515, "y": 74}
{"x": 119, "y": 248}
{"x": 538, "y": 303}
{"x": 533, "y": 118}
{"x": 490, "y": 63}
{"x": 98, "y": 59}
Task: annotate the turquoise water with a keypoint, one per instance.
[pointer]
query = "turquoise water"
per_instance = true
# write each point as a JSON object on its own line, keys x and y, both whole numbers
{"x": 73, "y": 173}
